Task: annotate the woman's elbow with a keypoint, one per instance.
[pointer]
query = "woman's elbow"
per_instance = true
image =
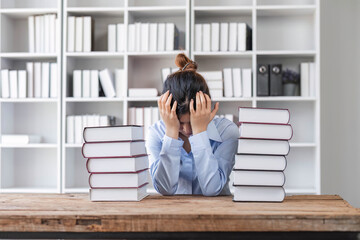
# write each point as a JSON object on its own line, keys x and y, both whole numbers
{"x": 163, "y": 190}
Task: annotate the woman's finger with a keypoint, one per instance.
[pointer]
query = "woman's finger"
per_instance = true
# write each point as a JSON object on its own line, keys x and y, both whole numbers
{"x": 213, "y": 113}
{"x": 167, "y": 104}
{"x": 173, "y": 109}
{"x": 159, "y": 102}
{"x": 192, "y": 106}
{"x": 203, "y": 101}
{"x": 208, "y": 102}
{"x": 198, "y": 103}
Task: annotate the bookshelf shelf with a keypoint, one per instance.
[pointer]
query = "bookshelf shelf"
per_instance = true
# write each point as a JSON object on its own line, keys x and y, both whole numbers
{"x": 154, "y": 54}
{"x": 281, "y": 98}
{"x": 31, "y": 145}
{"x": 100, "y": 99}
{"x": 95, "y": 54}
{"x": 28, "y": 100}
{"x": 224, "y": 54}
{"x": 283, "y": 53}
{"x": 28, "y": 56}
{"x": 26, "y": 12}
{"x": 96, "y": 11}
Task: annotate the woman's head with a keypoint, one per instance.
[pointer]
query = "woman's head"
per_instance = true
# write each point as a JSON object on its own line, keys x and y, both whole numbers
{"x": 184, "y": 84}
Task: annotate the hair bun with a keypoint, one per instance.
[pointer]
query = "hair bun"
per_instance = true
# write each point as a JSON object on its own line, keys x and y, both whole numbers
{"x": 184, "y": 63}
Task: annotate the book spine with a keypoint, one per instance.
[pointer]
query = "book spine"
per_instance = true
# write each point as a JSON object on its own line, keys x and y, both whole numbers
{"x": 79, "y": 34}
{"x": 215, "y": 35}
{"x": 120, "y": 34}
{"x": 87, "y": 38}
{"x": 71, "y": 34}
{"x": 45, "y": 80}
{"x": 22, "y": 83}
{"x": 53, "y": 80}
{"x": 112, "y": 38}
{"x": 198, "y": 37}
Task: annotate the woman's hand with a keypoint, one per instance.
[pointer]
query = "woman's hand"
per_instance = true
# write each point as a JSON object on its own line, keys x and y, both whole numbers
{"x": 203, "y": 115}
{"x": 169, "y": 116}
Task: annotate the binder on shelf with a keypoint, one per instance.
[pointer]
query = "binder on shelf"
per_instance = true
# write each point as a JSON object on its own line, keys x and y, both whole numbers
{"x": 45, "y": 80}
{"x": 86, "y": 90}
{"x": 153, "y": 37}
{"x": 215, "y": 37}
{"x": 79, "y": 34}
{"x": 120, "y": 35}
{"x": 107, "y": 83}
{"x": 247, "y": 82}
{"x": 206, "y": 43}
{"x": 276, "y": 86}
{"x": 263, "y": 80}
{"x": 137, "y": 37}
{"x": 161, "y": 37}
{"x": 13, "y": 77}
{"x": 94, "y": 78}
{"x": 131, "y": 38}
{"x": 22, "y": 83}
{"x": 237, "y": 82}
{"x": 30, "y": 79}
{"x": 112, "y": 38}
{"x": 228, "y": 83}
{"x": 31, "y": 29}
{"x": 37, "y": 79}
{"x": 233, "y": 36}
{"x": 198, "y": 37}
{"x": 172, "y": 37}
{"x": 5, "y": 83}
{"x": 224, "y": 34}
{"x": 77, "y": 83}
{"x": 87, "y": 33}
{"x": 53, "y": 80}
{"x": 144, "y": 37}
{"x": 71, "y": 34}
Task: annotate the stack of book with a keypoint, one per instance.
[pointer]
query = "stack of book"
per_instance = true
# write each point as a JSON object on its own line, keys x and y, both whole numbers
{"x": 79, "y": 34}
{"x": 43, "y": 33}
{"x": 39, "y": 80}
{"x": 152, "y": 37}
{"x": 117, "y": 163}
{"x": 223, "y": 37}
{"x": 260, "y": 161}
{"x": 86, "y": 83}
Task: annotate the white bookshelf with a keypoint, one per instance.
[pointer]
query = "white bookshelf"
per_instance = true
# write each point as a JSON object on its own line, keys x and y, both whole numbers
{"x": 296, "y": 23}
{"x": 142, "y": 69}
{"x": 32, "y": 167}
{"x": 56, "y": 166}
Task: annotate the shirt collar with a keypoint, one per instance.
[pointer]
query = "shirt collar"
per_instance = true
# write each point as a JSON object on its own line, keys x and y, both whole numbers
{"x": 213, "y": 132}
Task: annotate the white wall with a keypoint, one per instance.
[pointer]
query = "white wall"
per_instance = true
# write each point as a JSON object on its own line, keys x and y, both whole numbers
{"x": 340, "y": 98}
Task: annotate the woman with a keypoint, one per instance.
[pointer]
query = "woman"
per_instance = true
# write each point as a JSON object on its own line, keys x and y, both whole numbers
{"x": 190, "y": 152}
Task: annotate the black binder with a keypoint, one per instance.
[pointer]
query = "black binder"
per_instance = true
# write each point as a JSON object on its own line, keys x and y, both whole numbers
{"x": 263, "y": 80}
{"x": 276, "y": 86}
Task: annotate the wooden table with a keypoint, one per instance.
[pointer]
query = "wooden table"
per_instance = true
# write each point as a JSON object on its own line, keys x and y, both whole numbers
{"x": 67, "y": 215}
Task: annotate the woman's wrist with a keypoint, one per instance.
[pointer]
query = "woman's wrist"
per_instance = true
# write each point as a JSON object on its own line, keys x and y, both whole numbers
{"x": 198, "y": 130}
{"x": 172, "y": 133}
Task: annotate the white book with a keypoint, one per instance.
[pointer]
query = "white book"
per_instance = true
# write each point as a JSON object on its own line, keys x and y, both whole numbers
{"x": 53, "y": 80}
{"x": 138, "y": 37}
{"x": 212, "y": 75}
{"x": 259, "y": 178}
{"x": 86, "y": 83}
{"x": 131, "y": 115}
{"x": 139, "y": 117}
{"x": 161, "y": 37}
{"x": 233, "y": 37}
{"x": 229, "y": 117}
{"x": 264, "y": 115}
{"x": 120, "y": 37}
{"x": 216, "y": 93}
{"x": 118, "y": 180}
{"x": 143, "y": 92}
{"x": 91, "y": 121}
{"x": 70, "y": 129}
{"x": 215, "y": 84}
{"x": 228, "y": 83}
{"x": 47, "y": 30}
{"x": 57, "y": 35}
{"x": 52, "y": 33}
{"x": 131, "y": 37}
{"x": 84, "y": 119}
{"x": 304, "y": 79}
{"x": 79, "y": 34}
{"x": 87, "y": 38}
{"x": 19, "y": 139}
{"x": 120, "y": 164}
{"x": 265, "y": 131}
{"x": 237, "y": 82}
{"x": 71, "y": 34}
{"x": 260, "y": 162}
{"x": 45, "y": 80}
{"x": 170, "y": 37}
{"x": 258, "y": 194}
{"x": 224, "y": 37}
{"x": 5, "y": 83}
{"x": 37, "y": 33}
{"x": 165, "y": 72}
{"x": 31, "y": 27}
{"x": 312, "y": 79}
{"x": 77, "y": 83}
{"x": 147, "y": 120}
{"x": 155, "y": 115}
{"x": 22, "y": 81}
{"x": 104, "y": 120}
{"x": 113, "y": 149}
{"x": 94, "y": 78}
{"x": 37, "y": 79}
{"x": 78, "y": 128}
{"x": 144, "y": 37}
{"x": 42, "y": 33}
{"x": 118, "y": 194}
{"x": 107, "y": 83}
{"x": 198, "y": 37}
{"x": 30, "y": 79}
{"x": 13, "y": 77}
{"x": 242, "y": 36}
{"x": 112, "y": 38}
{"x": 215, "y": 37}
{"x": 265, "y": 147}
{"x": 153, "y": 37}
{"x": 206, "y": 34}
{"x": 120, "y": 83}
{"x": 247, "y": 82}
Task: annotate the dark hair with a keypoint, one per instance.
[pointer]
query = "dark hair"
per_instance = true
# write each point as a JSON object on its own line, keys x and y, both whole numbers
{"x": 184, "y": 84}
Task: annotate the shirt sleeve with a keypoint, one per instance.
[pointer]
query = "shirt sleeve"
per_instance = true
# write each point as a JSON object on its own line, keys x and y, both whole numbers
{"x": 164, "y": 156}
{"x": 213, "y": 168}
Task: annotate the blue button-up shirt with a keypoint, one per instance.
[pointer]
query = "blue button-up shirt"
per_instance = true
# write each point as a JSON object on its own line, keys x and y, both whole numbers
{"x": 204, "y": 170}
